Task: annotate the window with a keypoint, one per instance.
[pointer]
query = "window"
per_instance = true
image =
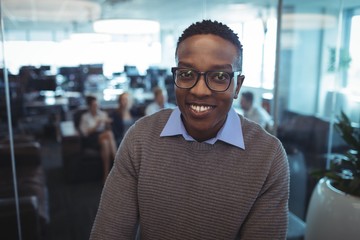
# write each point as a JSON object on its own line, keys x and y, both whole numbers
{"x": 353, "y": 83}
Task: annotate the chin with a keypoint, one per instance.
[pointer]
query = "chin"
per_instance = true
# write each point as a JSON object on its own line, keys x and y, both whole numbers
{"x": 200, "y": 126}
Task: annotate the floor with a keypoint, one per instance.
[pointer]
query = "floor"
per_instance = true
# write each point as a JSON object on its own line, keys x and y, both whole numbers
{"x": 72, "y": 206}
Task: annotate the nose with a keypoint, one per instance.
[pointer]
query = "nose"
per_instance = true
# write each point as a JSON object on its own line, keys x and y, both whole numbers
{"x": 201, "y": 88}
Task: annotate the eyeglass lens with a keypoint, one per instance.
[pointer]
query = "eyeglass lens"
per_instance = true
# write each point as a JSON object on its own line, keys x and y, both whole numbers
{"x": 216, "y": 80}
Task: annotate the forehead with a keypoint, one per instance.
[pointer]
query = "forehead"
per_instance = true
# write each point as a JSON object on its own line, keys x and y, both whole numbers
{"x": 93, "y": 102}
{"x": 206, "y": 47}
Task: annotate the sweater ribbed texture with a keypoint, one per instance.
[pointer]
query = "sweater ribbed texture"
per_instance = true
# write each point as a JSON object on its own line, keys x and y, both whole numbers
{"x": 191, "y": 190}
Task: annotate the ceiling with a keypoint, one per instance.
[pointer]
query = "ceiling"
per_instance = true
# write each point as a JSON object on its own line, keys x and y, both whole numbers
{"x": 61, "y": 13}
{"x": 70, "y": 14}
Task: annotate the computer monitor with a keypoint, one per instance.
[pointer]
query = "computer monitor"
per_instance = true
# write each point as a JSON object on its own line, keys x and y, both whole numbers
{"x": 43, "y": 83}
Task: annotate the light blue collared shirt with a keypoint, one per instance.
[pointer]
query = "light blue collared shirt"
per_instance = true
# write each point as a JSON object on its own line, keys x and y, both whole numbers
{"x": 230, "y": 133}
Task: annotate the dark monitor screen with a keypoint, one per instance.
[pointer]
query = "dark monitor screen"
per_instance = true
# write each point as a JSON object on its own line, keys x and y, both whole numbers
{"x": 44, "y": 83}
{"x": 70, "y": 73}
{"x": 89, "y": 69}
{"x": 66, "y": 71}
{"x": 45, "y": 68}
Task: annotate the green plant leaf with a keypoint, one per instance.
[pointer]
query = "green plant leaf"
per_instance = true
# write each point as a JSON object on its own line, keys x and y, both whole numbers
{"x": 344, "y": 170}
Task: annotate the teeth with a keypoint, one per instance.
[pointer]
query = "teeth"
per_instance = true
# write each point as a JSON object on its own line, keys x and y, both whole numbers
{"x": 198, "y": 108}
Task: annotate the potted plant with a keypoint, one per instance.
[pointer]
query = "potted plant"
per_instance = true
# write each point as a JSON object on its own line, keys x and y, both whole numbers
{"x": 334, "y": 208}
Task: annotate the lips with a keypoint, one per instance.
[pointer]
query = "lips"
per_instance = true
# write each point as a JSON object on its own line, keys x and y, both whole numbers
{"x": 200, "y": 108}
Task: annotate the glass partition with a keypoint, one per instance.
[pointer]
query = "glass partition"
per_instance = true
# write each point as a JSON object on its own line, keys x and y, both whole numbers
{"x": 316, "y": 69}
{"x": 316, "y": 46}
{"x": 9, "y": 197}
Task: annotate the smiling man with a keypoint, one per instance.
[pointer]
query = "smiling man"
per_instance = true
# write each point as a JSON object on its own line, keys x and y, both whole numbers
{"x": 200, "y": 171}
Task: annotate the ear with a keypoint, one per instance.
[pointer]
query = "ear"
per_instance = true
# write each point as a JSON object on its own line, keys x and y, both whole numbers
{"x": 239, "y": 82}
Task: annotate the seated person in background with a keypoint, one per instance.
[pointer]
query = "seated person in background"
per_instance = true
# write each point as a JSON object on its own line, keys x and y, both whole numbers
{"x": 122, "y": 117}
{"x": 160, "y": 102}
{"x": 95, "y": 127}
{"x": 255, "y": 113}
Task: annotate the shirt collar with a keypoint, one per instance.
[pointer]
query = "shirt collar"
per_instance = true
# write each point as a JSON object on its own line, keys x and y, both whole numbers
{"x": 174, "y": 126}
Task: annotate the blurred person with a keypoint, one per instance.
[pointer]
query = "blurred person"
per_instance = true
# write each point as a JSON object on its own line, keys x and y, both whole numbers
{"x": 199, "y": 171}
{"x": 122, "y": 117}
{"x": 160, "y": 102}
{"x": 95, "y": 126}
{"x": 255, "y": 113}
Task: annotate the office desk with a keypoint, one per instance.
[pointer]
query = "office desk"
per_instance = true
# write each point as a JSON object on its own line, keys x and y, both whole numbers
{"x": 49, "y": 111}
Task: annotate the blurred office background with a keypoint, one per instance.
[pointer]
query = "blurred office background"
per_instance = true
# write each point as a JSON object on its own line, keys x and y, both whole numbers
{"x": 301, "y": 60}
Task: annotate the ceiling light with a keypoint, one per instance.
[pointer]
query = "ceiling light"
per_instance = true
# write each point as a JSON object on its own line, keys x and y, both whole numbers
{"x": 90, "y": 37}
{"x": 308, "y": 21}
{"x": 126, "y": 26}
{"x": 53, "y": 11}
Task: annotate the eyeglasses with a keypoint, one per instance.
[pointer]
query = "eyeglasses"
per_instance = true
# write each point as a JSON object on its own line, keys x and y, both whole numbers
{"x": 186, "y": 78}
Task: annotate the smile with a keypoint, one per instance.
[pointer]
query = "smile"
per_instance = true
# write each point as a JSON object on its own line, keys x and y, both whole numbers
{"x": 200, "y": 108}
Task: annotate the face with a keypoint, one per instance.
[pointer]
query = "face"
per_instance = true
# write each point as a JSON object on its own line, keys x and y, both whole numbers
{"x": 244, "y": 104}
{"x": 204, "y": 111}
{"x": 160, "y": 99}
{"x": 93, "y": 106}
{"x": 123, "y": 101}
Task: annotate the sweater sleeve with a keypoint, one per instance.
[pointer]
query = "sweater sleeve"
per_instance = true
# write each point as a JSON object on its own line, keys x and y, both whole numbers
{"x": 117, "y": 214}
{"x": 268, "y": 218}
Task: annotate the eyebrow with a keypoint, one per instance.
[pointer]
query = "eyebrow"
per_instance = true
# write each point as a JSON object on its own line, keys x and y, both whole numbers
{"x": 217, "y": 67}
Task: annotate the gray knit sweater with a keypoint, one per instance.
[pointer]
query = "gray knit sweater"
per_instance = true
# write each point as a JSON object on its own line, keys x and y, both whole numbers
{"x": 177, "y": 189}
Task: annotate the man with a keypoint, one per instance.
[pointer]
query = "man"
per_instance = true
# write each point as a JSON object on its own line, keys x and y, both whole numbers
{"x": 160, "y": 102}
{"x": 199, "y": 171}
{"x": 255, "y": 113}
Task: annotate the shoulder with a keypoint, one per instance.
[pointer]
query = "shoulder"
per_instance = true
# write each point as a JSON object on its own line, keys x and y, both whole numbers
{"x": 151, "y": 108}
{"x": 255, "y": 135}
{"x": 255, "y": 110}
{"x": 157, "y": 120}
{"x": 151, "y": 105}
{"x": 263, "y": 112}
{"x": 263, "y": 147}
{"x": 146, "y": 129}
{"x": 102, "y": 113}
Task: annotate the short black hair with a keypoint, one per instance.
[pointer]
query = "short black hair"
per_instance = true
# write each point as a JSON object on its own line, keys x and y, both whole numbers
{"x": 90, "y": 99}
{"x": 249, "y": 96}
{"x": 215, "y": 28}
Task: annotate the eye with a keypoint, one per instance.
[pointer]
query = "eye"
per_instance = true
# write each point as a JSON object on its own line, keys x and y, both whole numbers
{"x": 186, "y": 74}
{"x": 219, "y": 76}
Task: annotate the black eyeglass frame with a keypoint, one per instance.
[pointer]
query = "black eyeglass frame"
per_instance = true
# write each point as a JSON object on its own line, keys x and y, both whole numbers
{"x": 199, "y": 74}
